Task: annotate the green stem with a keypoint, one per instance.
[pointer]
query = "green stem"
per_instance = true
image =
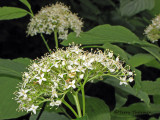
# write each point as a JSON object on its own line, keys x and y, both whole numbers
{"x": 110, "y": 75}
{"x": 93, "y": 78}
{"x": 75, "y": 96}
{"x": 65, "y": 113}
{"x": 31, "y": 12}
{"x": 83, "y": 100}
{"x": 65, "y": 103}
{"x": 56, "y": 40}
{"x": 45, "y": 42}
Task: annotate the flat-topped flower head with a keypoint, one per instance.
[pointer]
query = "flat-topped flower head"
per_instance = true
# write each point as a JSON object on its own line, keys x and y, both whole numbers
{"x": 153, "y": 30}
{"x": 65, "y": 71}
{"x": 56, "y": 17}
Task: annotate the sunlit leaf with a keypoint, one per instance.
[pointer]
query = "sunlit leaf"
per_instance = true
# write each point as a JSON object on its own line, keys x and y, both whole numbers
{"x": 140, "y": 59}
{"x": 151, "y": 87}
{"x": 154, "y": 63}
{"x": 7, "y": 13}
{"x": 25, "y": 2}
{"x": 103, "y": 34}
{"x": 13, "y": 67}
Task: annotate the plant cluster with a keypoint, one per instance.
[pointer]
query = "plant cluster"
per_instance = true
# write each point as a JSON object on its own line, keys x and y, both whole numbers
{"x": 54, "y": 75}
{"x": 56, "y": 17}
{"x": 153, "y": 30}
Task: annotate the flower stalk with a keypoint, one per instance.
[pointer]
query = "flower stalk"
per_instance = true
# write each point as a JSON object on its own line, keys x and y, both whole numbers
{"x": 75, "y": 96}
{"x": 67, "y": 105}
{"x": 56, "y": 40}
{"x": 45, "y": 42}
{"x": 83, "y": 100}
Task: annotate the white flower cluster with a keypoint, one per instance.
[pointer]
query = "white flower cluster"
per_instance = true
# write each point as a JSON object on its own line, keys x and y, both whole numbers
{"x": 52, "y": 18}
{"x": 153, "y": 30}
{"x": 55, "y": 74}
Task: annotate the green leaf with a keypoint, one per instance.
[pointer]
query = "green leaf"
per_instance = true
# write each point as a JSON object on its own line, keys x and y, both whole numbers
{"x": 49, "y": 116}
{"x": 137, "y": 109}
{"x": 150, "y": 87}
{"x": 127, "y": 89}
{"x": 26, "y": 3}
{"x": 82, "y": 118}
{"x": 156, "y": 9}
{"x": 121, "y": 98}
{"x": 13, "y": 67}
{"x": 154, "y": 50}
{"x": 114, "y": 117}
{"x": 137, "y": 79}
{"x": 103, "y": 34}
{"x": 96, "y": 109}
{"x": 23, "y": 61}
{"x": 8, "y": 104}
{"x": 140, "y": 59}
{"x": 116, "y": 50}
{"x": 154, "y": 63}
{"x": 156, "y": 99}
{"x": 132, "y": 7}
{"x": 10, "y": 76}
{"x": 7, "y": 13}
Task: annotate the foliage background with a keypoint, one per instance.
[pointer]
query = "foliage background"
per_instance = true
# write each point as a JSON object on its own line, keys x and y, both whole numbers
{"x": 14, "y": 43}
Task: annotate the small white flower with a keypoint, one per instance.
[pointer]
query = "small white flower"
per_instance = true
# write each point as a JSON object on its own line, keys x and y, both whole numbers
{"x": 54, "y": 93}
{"x": 130, "y": 73}
{"x": 26, "y": 75}
{"x": 123, "y": 81}
{"x": 88, "y": 65}
{"x": 41, "y": 78}
{"x": 35, "y": 66}
{"x": 111, "y": 70}
{"x": 55, "y": 64}
{"x": 52, "y": 103}
{"x": 130, "y": 79}
{"x": 45, "y": 69}
{"x": 110, "y": 54}
{"x": 91, "y": 60}
{"x": 70, "y": 67}
{"x": 117, "y": 59}
{"x": 65, "y": 87}
{"x": 81, "y": 69}
{"x": 81, "y": 76}
{"x": 61, "y": 75}
{"x": 72, "y": 84}
{"x": 55, "y": 84}
{"x": 63, "y": 63}
{"x": 58, "y": 102}
{"x": 23, "y": 93}
{"x": 33, "y": 109}
{"x": 76, "y": 49}
{"x": 72, "y": 75}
